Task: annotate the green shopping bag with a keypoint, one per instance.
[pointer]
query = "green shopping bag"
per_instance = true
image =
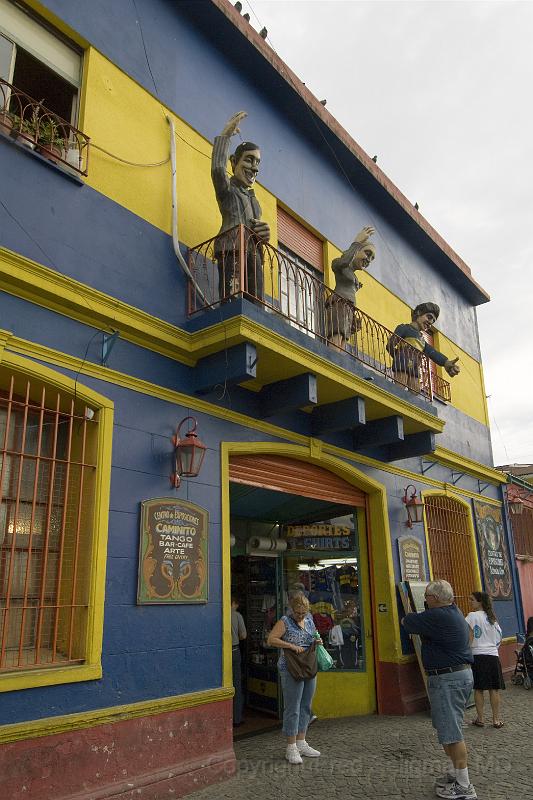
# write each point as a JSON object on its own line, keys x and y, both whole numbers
{"x": 323, "y": 658}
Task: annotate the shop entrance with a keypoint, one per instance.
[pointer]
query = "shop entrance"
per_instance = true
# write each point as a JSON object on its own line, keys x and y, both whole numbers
{"x": 284, "y": 542}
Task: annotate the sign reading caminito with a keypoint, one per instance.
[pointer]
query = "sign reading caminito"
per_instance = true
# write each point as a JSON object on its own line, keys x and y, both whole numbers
{"x": 172, "y": 552}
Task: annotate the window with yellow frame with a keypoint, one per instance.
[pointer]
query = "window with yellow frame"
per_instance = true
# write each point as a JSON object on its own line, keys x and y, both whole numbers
{"x": 49, "y": 442}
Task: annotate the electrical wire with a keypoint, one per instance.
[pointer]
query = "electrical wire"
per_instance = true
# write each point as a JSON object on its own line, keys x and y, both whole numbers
{"x": 130, "y": 163}
{"x": 43, "y": 251}
{"x": 84, "y": 359}
{"x": 138, "y": 20}
{"x": 501, "y": 437}
{"x": 93, "y": 336}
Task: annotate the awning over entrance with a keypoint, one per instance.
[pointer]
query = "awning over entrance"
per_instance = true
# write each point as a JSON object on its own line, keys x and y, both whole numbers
{"x": 294, "y": 477}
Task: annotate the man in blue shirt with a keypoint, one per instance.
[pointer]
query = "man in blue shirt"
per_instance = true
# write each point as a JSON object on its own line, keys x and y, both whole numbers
{"x": 446, "y": 657}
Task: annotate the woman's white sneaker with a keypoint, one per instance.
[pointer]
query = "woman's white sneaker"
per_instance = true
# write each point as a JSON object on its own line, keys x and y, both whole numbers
{"x": 306, "y": 750}
{"x": 293, "y": 754}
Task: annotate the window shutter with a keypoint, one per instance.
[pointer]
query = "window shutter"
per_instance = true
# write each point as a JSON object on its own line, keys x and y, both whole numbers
{"x": 294, "y": 477}
{"x": 29, "y": 34}
{"x": 301, "y": 241}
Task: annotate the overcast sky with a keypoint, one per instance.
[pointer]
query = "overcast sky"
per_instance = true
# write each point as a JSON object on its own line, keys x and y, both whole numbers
{"x": 441, "y": 92}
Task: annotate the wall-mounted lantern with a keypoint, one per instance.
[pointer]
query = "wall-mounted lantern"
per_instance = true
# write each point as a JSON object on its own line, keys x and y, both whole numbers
{"x": 516, "y": 496}
{"x": 414, "y": 506}
{"x": 189, "y": 453}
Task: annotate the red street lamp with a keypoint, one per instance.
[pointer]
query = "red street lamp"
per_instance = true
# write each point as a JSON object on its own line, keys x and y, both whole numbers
{"x": 189, "y": 453}
{"x": 414, "y": 505}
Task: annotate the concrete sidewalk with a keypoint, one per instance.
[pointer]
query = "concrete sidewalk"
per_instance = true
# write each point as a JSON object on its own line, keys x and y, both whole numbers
{"x": 386, "y": 758}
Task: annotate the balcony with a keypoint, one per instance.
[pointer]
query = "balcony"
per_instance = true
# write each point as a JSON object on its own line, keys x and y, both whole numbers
{"x": 332, "y": 357}
{"x": 33, "y": 125}
{"x": 238, "y": 264}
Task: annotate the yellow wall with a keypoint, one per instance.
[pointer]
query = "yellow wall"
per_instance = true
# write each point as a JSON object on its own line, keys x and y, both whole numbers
{"x": 126, "y": 120}
{"x": 468, "y": 388}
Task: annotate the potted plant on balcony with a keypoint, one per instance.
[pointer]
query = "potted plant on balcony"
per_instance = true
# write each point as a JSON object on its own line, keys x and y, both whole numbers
{"x": 6, "y": 123}
{"x": 24, "y": 128}
{"x": 50, "y": 142}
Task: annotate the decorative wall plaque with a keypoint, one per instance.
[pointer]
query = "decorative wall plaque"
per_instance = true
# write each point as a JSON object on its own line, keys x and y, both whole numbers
{"x": 412, "y": 565}
{"x": 494, "y": 553}
{"x": 172, "y": 552}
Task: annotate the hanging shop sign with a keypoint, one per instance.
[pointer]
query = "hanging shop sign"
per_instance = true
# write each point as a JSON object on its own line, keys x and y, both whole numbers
{"x": 172, "y": 552}
{"x": 494, "y": 553}
{"x": 411, "y": 553}
{"x": 319, "y": 537}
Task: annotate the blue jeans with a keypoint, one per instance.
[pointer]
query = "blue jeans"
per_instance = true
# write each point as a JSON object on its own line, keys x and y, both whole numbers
{"x": 448, "y": 695}
{"x": 297, "y": 699}
{"x": 237, "y": 685}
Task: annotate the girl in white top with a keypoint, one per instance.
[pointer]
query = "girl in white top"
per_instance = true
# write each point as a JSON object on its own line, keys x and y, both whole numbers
{"x": 485, "y": 638}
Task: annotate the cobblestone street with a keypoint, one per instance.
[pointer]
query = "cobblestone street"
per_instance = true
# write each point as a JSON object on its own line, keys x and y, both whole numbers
{"x": 386, "y": 757}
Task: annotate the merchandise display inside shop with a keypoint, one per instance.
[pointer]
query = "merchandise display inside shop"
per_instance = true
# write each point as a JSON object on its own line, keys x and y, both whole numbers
{"x": 322, "y": 561}
{"x": 332, "y": 588}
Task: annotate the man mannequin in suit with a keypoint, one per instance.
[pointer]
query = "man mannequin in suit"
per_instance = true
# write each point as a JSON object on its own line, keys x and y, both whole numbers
{"x": 238, "y": 206}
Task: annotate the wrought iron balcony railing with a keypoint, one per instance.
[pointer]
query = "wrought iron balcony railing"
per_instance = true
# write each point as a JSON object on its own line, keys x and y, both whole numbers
{"x": 237, "y": 264}
{"x": 31, "y": 123}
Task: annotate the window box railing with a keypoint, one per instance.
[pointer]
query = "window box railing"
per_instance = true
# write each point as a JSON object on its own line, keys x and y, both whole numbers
{"x": 237, "y": 264}
{"x": 32, "y": 124}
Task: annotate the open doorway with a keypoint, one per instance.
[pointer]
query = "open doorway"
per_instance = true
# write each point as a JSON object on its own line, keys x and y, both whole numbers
{"x": 281, "y": 543}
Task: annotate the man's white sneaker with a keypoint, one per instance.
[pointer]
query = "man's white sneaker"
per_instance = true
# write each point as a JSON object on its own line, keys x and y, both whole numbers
{"x": 454, "y": 791}
{"x": 306, "y": 750}
{"x": 444, "y": 780}
{"x": 293, "y": 754}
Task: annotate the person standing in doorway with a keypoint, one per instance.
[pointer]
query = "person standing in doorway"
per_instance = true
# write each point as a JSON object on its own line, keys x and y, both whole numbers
{"x": 295, "y": 631}
{"x": 238, "y": 634}
{"x": 447, "y": 659}
{"x": 485, "y": 637}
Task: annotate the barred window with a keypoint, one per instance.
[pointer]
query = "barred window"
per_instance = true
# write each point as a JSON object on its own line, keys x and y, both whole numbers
{"x": 47, "y": 487}
{"x": 450, "y": 534}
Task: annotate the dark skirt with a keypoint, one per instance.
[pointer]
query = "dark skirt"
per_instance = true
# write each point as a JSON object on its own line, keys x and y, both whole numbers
{"x": 487, "y": 672}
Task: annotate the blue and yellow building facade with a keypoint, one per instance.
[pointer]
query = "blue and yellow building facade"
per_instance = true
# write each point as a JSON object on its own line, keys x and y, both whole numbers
{"x": 144, "y": 698}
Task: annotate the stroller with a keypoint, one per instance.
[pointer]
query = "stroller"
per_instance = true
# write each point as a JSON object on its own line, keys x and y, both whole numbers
{"x": 523, "y": 671}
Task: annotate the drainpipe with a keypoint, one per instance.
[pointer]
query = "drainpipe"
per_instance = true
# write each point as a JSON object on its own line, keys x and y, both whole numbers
{"x": 175, "y": 237}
